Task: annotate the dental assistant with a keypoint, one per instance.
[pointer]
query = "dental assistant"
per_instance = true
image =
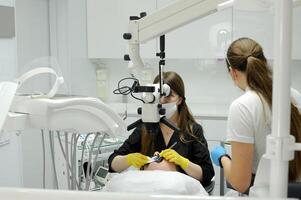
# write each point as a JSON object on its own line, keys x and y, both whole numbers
{"x": 190, "y": 154}
{"x": 249, "y": 118}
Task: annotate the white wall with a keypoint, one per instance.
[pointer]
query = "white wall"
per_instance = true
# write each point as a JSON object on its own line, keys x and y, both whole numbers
{"x": 7, "y": 3}
{"x": 32, "y": 24}
{"x": 203, "y": 73}
{"x": 69, "y": 27}
{"x": 10, "y": 143}
{"x": 62, "y": 34}
{"x": 8, "y": 59}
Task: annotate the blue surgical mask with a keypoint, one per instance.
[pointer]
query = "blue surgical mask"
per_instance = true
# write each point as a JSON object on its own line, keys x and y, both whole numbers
{"x": 170, "y": 109}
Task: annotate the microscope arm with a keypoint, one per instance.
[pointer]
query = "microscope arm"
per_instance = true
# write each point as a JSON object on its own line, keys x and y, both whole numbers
{"x": 165, "y": 20}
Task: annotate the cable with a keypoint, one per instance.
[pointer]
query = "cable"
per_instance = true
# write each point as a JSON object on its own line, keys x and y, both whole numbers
{"x": 71, "y": 161}
{"x": 89, "y": 175}
{"x": 81, "y": 160}
{"x": 53, "y": 160}
{"x": 98, "y": 152}
{"x": 126, "y": 90}
{"x": 63, "y": 152}
{"x": 43, "y": 147}
{"x": 73, "y": 148}
{"x": 67, "y": 160}
{"x": 74, "y": 159}
{"x": 137, "y": 98}
{"x": 136, "y": 81}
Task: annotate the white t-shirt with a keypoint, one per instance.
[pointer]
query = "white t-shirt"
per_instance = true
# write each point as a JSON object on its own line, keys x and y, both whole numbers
{"x": 249, "y": 121}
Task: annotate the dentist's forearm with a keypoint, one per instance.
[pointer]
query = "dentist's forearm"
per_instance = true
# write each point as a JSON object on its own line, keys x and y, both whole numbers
{"x": 119, "y": 163}
{"x": 194, "y": 171}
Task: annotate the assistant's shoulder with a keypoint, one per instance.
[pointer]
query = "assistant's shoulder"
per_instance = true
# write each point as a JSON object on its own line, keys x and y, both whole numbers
{"x": 248, "y": 98}
{"x": 248, "y": 102}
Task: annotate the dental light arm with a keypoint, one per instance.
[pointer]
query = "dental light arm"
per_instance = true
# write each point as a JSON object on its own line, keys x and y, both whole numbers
{"x": 165, "y": 20}
{"x": 145, "y": 28}
{"x": 297, "y": 3}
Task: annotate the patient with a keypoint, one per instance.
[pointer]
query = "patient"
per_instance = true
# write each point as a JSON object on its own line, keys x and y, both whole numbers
{"x": 164, "y": 165}
{"x": 155, "y": 178}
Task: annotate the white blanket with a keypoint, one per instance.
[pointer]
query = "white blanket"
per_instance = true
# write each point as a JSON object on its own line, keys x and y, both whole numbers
{"x": 155, "y": 182}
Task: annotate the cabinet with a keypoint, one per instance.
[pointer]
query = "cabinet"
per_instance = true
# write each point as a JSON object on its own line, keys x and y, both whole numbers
{"x": 108, "y": 20}
{"x": 206, "y": 38}
{"x": 106, "y": 23}
{"x": 259, "y": 25}
{"x": 7, "y": 3}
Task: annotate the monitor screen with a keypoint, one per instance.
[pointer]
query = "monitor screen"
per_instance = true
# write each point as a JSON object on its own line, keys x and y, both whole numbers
{"x": 102, "y": 172}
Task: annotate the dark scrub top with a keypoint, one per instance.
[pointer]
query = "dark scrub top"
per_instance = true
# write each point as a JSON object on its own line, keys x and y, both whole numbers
{"x": 196, "y": 151}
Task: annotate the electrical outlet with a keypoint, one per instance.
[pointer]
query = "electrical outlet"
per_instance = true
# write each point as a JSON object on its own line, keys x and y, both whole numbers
{"x": 102, "y": 83}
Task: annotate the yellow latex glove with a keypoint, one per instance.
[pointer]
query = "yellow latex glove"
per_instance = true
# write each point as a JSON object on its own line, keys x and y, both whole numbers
{"x": 136, "y": 159}
{"x": 173, "y": 156}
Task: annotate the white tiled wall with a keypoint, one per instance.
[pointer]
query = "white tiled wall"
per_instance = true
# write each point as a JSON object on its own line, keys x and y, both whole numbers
{"x": 206, "y": 81}
{"x": 33, "y": 44}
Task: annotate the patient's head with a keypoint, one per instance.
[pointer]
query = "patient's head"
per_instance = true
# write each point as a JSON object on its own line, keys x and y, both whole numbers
{"x": 163, "y": 165}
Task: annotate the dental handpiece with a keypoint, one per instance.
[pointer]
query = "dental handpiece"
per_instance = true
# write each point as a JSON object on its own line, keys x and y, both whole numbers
{"x": 158, "y": 158}
{"x": 173, "y": 145}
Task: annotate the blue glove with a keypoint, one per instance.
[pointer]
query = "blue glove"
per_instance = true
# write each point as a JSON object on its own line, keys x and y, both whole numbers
{"x": 217, "y": 153}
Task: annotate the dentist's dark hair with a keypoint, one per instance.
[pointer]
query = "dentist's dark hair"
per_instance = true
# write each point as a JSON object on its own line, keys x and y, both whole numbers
{"x": 185, "y": 120}
{"x": 247, "y": 56}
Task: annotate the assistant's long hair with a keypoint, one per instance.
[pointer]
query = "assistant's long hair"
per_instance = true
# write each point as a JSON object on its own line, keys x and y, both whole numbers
{"x": 247, "y": 56}
{"x": 185, "y": 119}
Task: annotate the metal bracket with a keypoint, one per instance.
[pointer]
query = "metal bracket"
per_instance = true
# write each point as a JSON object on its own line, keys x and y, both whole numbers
{"x": 4, "y": 140}
{"x": 280, "y": 148}
{"x": 133, "y": 29}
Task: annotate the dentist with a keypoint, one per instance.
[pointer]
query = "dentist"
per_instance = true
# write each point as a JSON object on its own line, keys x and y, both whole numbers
{"x": 190, "y": 154}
